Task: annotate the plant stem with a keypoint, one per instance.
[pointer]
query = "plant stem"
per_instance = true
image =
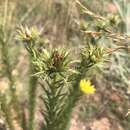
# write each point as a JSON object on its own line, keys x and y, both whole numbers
{"x": 32, "y": 98}
{"x": 73, "y": 98}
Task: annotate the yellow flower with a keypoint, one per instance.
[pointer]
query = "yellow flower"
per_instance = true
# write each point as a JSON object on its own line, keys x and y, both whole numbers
{"x": 86, "y": 87}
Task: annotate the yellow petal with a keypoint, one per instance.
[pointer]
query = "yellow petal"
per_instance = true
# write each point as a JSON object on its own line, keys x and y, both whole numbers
{"x": 86, "y": 87}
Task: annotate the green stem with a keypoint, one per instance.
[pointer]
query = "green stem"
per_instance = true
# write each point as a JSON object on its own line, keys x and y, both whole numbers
{"x": 32, "y": 98}
{"x": 52, "y": 100}
{"x": 73, "y": 98}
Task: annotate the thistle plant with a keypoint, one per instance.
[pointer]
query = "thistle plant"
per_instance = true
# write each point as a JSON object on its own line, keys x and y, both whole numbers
{"x": 61, "y": 78}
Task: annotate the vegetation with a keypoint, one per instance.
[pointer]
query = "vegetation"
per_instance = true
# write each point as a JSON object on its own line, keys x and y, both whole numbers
{"x": 70, "y": 52}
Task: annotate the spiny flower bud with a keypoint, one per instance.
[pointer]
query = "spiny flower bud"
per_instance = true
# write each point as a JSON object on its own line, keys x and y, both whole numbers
{"x": 27, "y": 35}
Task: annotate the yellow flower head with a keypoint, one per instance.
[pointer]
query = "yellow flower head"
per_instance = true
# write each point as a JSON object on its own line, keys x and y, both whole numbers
{"x": 86, "y": 87}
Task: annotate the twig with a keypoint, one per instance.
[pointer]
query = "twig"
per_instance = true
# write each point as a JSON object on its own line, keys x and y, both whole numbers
{"x": 115, "y": 36}
{"x": 88, "y": 12}
{"x": 111, "y": 50}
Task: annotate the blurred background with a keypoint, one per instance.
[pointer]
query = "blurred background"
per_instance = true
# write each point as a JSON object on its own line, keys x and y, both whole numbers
{"x": 60, "y": 22}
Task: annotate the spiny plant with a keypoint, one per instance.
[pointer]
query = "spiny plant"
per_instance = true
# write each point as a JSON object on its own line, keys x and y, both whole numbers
{"x": 59, "y": 76}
